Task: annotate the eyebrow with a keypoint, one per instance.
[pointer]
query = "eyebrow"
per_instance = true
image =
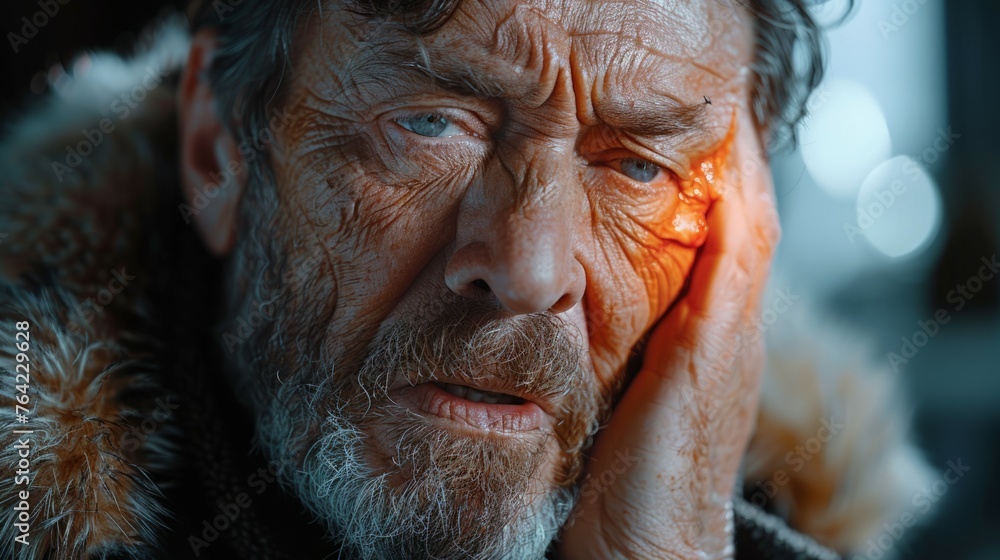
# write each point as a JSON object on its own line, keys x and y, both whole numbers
{"x": 463, "y": 81}
{"x": 659, "y": 116}
{"x": 656, "y": 117}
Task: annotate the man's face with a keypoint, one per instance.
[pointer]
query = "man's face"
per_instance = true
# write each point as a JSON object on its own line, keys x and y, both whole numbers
{"x": 474, "y": 230}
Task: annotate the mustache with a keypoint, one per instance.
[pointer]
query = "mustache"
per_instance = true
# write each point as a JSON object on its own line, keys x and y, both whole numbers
{"x": 537, "y": 355}
{"x": 472, "y": 342}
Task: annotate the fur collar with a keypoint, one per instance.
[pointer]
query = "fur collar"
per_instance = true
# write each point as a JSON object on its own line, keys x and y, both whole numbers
{"x": 88, "y": 238}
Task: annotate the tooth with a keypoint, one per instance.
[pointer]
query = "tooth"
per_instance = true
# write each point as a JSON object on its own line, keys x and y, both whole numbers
{"x": 490, "y": 399}
{"x": 474, "y": 395}
{"x": 457, "y": 390}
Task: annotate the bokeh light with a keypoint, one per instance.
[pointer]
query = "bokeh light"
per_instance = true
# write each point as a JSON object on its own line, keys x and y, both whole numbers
{"x": 844, "y": 137}
{"x": 899, "y": 207}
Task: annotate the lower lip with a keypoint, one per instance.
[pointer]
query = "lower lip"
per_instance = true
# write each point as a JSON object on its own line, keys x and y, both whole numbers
{"x": 432, "y": 400}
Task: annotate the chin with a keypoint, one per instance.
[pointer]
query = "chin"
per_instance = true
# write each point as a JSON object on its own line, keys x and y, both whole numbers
{"x": 399, "y": 482}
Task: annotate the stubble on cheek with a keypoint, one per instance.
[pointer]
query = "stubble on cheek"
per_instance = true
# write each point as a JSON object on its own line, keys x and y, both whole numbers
{"x": 335, "y": 219}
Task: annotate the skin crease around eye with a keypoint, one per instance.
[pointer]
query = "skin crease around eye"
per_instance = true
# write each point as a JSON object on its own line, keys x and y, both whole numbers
{"x": 435, "y": 125}
{"x": 387, "y": 206}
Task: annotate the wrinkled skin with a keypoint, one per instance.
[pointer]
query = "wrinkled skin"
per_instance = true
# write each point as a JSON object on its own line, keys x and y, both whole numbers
{"x": 535, "y": 197}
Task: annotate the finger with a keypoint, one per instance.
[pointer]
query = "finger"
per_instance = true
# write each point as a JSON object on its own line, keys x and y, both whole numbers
{"x": 757, "y": 189}
{"x": 719, "y": 277}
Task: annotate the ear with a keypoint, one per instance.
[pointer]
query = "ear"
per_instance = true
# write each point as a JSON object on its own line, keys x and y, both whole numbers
{"x": 212, "y": 169}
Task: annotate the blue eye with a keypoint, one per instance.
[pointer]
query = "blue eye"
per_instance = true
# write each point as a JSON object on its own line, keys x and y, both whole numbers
{"x": 428, "y": 124}
{"x": 638, "y": 169}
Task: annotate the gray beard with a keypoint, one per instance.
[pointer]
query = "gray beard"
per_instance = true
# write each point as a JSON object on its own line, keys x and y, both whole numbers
{"x": 441, "y": 495}
{"x": 447, "y": 506}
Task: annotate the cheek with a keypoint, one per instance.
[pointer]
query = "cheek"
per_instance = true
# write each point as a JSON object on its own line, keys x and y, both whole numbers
{"x": 365, "y": 218}
{"x": 643, "y": 270}
{"x": 648, "y": 248}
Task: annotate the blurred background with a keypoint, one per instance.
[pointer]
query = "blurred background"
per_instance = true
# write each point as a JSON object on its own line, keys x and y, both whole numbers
{"x": 890, "y": 202}
{"x": 890, "y": 205}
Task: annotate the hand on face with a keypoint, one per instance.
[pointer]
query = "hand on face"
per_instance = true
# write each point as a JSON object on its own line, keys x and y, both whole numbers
{"x": 661, "y": 474}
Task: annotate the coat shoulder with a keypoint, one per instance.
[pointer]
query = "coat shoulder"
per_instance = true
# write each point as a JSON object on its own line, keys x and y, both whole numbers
{"x": 84, "y": 172}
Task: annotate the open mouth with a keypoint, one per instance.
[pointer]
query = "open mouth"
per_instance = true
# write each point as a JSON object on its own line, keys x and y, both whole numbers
{"x": 472, "y": 407}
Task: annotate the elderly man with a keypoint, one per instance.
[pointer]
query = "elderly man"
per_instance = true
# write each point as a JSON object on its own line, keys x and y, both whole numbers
{"x": 483, "y": 278}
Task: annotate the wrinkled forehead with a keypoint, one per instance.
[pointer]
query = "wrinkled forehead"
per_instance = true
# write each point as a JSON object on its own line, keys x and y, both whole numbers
{"x": 708, "y": 32}
{"x": 618, "y": 49}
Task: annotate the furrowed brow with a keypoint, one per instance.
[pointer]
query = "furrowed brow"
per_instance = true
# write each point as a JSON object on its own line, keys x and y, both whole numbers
{"x": 460, "y": 80}
{"x": 660, "y": 117}
{"x": 394, "y": 57}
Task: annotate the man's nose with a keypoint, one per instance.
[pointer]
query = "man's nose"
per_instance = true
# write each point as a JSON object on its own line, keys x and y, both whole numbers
{"x": 521, "y": 249}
